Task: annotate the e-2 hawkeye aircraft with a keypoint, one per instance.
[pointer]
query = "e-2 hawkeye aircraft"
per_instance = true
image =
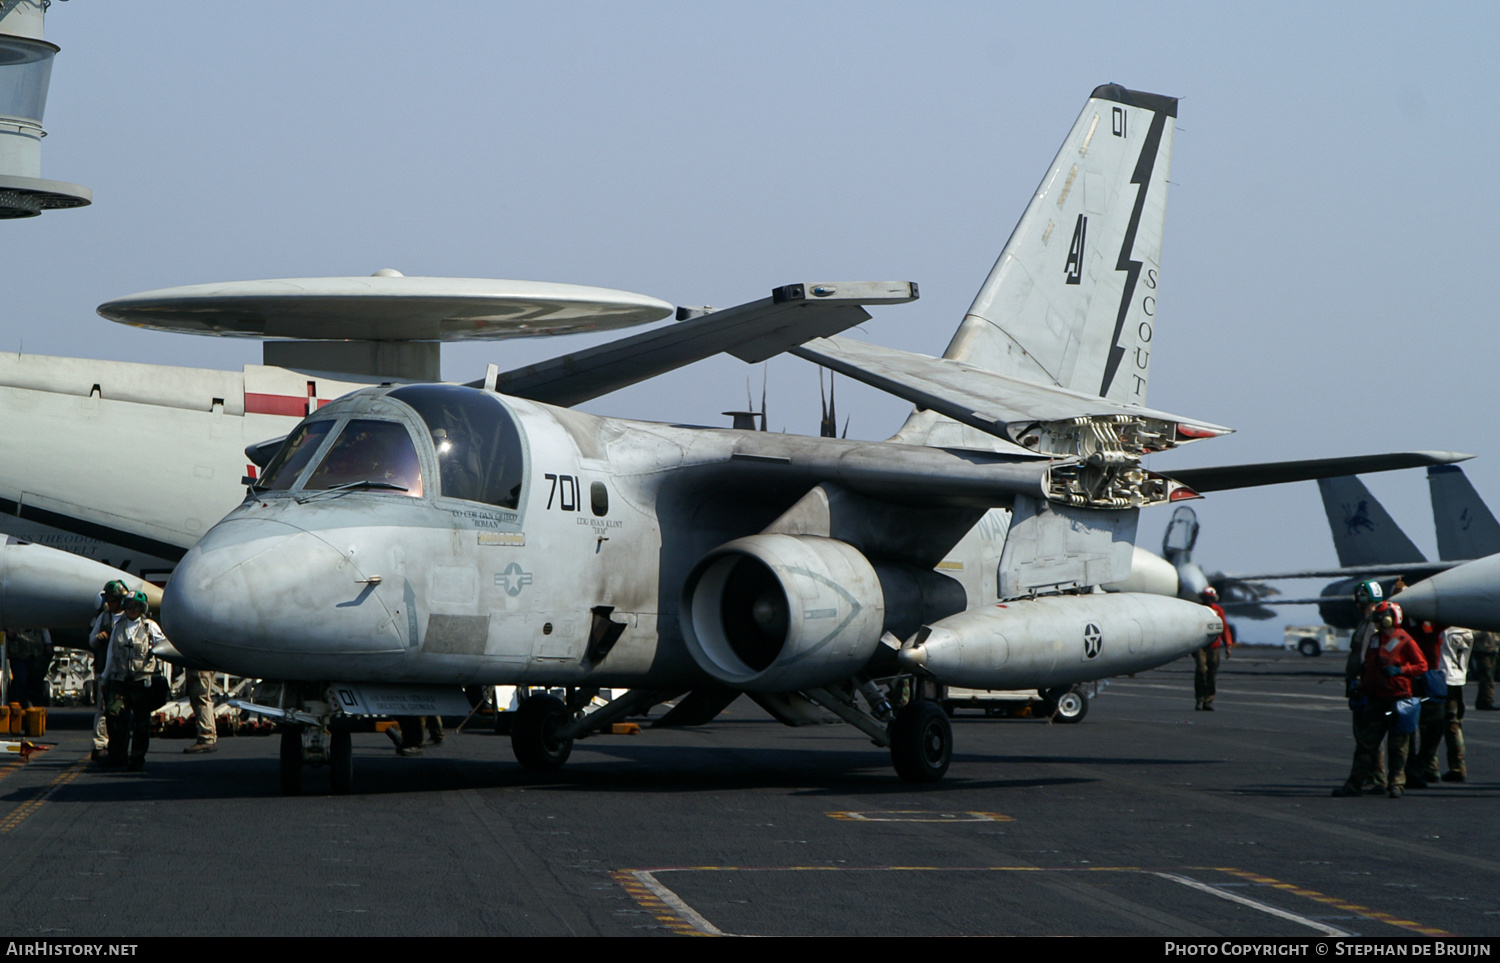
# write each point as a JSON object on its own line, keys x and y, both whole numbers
{"x": 421, "y": 537}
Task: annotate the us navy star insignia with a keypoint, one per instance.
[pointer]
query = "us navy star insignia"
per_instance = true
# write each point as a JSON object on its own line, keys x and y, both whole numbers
{"x": 1093, "y": 641}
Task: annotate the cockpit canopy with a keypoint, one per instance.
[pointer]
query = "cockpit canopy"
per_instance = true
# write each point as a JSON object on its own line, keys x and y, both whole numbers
{"x": 476, "y": 447}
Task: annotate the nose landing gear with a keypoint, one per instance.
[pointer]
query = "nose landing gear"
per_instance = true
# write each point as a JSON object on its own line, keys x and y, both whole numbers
{"x": 317, "y": 723}
{"x": 305, "y": 741}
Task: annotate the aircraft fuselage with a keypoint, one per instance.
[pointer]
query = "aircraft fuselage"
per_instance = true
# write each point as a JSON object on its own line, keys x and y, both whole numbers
{"x": 595, "y": 523}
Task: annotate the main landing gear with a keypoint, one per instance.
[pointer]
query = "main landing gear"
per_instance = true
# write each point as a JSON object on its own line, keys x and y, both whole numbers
{"x": 535, "y": 733}
{"x": 900, "y": 715}
{"x": 917, "y": 731}
{"x": 542, "y": 733}
{"x": 921, "y": 741}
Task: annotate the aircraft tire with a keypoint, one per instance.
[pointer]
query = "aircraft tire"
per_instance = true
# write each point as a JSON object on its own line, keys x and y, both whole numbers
{"x": 921, "y": 742}
{"x": 1070, "y": 706}
{"x": 531, "y": 733}
{"x": 291, "y": 761}
{"x": 341, "y": 762}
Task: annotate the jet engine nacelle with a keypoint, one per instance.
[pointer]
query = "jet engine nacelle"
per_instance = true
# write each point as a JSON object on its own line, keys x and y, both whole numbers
{"x": 1059, "y": 640}
{"x": 776, "y": 613}
{"x": 45, "y": 588}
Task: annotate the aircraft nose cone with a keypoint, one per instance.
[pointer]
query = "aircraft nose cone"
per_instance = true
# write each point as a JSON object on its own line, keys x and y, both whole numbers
{"x": 258, "y": 597}
{"x": 1468, "y": 595}
{"x": 1420, "y": 600}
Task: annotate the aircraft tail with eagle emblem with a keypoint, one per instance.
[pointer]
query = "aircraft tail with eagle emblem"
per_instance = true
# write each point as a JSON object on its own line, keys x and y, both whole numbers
{"x": 1363, "y": 531}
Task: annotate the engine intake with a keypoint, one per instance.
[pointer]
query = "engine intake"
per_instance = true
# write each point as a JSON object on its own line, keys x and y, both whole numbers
{"x": 777, "y": 613}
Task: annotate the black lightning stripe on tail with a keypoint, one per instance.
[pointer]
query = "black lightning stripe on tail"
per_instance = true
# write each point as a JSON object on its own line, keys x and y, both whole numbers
{"x": 1142, "y": 176}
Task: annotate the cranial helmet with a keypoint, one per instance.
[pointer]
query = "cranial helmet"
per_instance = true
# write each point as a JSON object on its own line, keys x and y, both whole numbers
{"x": 139, "y": 598}
{"x": 115, "y": 588}
{"x": 1209, "y": 594}
{"x": 1387, "y": 615}
{"x": 1368, "y": 591}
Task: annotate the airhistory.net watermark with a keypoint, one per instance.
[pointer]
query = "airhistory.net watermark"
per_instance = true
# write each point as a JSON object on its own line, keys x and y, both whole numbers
{"x": 50, "y": 948}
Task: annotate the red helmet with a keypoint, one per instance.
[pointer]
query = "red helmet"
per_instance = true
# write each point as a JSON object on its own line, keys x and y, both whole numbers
{"x": 1209, "y": 594}
{"x": 1387, "y": 615}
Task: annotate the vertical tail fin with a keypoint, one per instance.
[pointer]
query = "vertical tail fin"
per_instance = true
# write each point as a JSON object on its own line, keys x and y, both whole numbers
{"x": 1072, "y": 299}
{"x": 1466, "y": 528}
{"x": 1363, "y": 532}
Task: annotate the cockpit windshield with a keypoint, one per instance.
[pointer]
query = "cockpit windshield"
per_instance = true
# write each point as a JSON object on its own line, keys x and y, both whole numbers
{"x": 378, "y": 454}
{"x": 288, "y": 463}
{"x": 478, "y": 445}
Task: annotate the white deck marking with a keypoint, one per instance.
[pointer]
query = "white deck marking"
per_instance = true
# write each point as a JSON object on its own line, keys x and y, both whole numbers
{"x": 1323, "y": 928}
{"x": 686, "y": 912}
{"x": 690, "y": 922}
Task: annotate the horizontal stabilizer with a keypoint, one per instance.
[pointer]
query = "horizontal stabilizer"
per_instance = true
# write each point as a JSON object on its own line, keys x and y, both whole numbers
{"x": 1002, "y": 405}
{"x": 1227, "y": 477}
{"x": 751, "y": 332}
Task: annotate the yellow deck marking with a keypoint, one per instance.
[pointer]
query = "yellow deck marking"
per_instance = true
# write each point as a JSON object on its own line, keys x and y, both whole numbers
{"x": 920, "y": 816}
{"x": 1255, "y": 904}
{"x": 19, "y": 814}
{"x": 638, "y": 883}
{"x": 643, "y": 886}
{"x": 1334, "y": 901}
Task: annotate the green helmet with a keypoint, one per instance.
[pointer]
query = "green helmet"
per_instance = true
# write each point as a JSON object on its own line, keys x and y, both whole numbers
{"x": 1368, "y": 591}
{"x": 139, "y": 598}
{"x": 116, "y": 589}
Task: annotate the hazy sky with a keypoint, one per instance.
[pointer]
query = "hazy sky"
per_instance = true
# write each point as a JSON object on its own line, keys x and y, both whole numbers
{"x": 1330, "y": 226}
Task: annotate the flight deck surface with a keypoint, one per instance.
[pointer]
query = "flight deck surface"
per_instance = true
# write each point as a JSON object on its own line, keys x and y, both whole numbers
{"x": 1147, "y": 819}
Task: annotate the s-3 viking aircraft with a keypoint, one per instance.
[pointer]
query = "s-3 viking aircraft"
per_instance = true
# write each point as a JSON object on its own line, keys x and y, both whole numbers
{"x": 71, "y": 530}
{"x": 206, "y": 430}
{"x": 406, "y": 540}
